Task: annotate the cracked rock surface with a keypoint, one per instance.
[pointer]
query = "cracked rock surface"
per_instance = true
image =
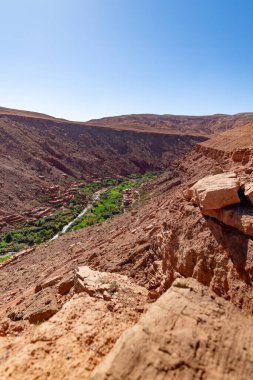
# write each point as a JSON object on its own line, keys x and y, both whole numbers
{"x": 185, "y": 334}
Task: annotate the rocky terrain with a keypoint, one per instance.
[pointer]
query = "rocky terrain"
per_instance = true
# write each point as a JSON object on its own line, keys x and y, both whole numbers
{"x": 162, "y": 291}
{"x": 184, "y": 335}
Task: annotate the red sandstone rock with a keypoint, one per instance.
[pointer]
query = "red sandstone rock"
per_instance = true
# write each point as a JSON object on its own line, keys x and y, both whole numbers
{"x": 216, "y": 191}
{"x": 66, "y": 284}
{"x": 41, "y": 307}
{"x": 185, "y": 334}
{"x": 48, "y": 283}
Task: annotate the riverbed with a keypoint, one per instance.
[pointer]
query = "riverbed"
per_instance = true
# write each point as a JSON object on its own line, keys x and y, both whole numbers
{"x": 66, "y": 228}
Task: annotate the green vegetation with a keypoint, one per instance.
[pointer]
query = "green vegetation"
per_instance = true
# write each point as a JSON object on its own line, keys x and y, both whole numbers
{"x": 38, "y": 232}
{"x": 91, "y": 188}
{"x": 109, "y": 204}
{"x": 2, "y": 259}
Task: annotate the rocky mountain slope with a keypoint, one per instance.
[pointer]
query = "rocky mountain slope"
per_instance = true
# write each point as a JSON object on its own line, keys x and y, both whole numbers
{"x": 198, "y": 125}
{"x": 165, "y": 246}
{"x": 38, "y": 152}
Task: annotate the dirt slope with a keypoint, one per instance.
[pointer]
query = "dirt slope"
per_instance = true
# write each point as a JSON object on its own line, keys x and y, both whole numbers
{"x": 237, "y": 138}
{"x": 171, "y": 124}
{"x": 154, "y": 243}
{"x": 164, "y": 239}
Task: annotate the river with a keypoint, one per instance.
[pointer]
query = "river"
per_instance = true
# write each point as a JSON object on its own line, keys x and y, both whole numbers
{"x": 65, "y": 229}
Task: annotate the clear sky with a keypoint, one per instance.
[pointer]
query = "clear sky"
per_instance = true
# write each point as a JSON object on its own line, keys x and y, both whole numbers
{"x": 83, "y": 59}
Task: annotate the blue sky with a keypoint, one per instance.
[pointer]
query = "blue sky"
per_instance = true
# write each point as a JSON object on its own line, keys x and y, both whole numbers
{"x": 83, "y": 59}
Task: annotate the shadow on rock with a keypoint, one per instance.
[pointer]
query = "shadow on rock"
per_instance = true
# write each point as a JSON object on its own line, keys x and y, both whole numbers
{"x": 234, "y": 243}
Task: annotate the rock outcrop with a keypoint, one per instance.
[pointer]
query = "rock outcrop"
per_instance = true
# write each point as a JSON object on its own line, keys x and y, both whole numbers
{"x": 99, "y": 284}
{"x": 164, "y": 239}
{"x": 41, "y": 307}
{"x": 186, "y": 334}
{"x": 237, "y": 216}
{"x": 215, "y": 191}
{"x": 66, "y": 284}
{"x": 217, "y": 196}
{"x": 47, "y": 283}
{"x": 71, "y": 343}
{"x": 36, "y": 309}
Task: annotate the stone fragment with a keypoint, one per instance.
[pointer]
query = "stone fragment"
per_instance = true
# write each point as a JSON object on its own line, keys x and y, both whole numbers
{"x": 86, "y": 280}
{"x": 104, "y": 287}
{"x": 41, "y": 307}
{"x": 15, "y": 315}
{"x": 66, "y": 284}
{"x": 47, "y": 283}
{"x": 107, "y": 296}
{"x": 95, "y": 283}
{"x": 142, "y": 248}
{"x": 188, "y": 193}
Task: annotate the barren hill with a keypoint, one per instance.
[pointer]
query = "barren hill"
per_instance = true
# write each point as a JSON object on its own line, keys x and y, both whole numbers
{"x": 199, "y": 125}
{"x": 234, "y": 139}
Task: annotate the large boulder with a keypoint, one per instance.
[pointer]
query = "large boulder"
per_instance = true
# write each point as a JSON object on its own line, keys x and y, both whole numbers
{"x": 215, "y": 191}
{"x": 186, "y": 334}
{"x": 104, "y": 285}
{"x": 36, "y": 309}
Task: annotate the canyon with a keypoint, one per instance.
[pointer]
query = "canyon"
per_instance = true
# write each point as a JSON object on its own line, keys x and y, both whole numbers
{"x": 162, "y": 290}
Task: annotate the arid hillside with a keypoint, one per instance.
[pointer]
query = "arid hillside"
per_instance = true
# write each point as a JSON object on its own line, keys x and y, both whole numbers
{"x": 171, "y": 124}
{"x": 198, "y": 125}
{"x": 37, "y": 152}
{"x": 234, "y": 139}
{"x": 164, "y": 244}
